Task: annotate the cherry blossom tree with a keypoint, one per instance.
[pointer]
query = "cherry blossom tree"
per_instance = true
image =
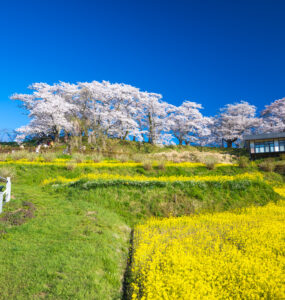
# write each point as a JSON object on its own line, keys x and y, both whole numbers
{"x": 188, "y": 125}
{"x": 123, "y": 102}
{"x": 96, "y": 109}
{"x": 112, "y": 109}
{"x": 156, "y": 123}
{"x": 235, "y": 120}
{"x": 274, "y": 117}
{"x": 48, "y": 111}
{"x": 100, "y": 110}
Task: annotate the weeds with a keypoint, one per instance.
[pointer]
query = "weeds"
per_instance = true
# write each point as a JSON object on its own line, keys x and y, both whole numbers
{"x": 70, "y": 166}
{"x": 17, "y": 155}
{"x": 3, "y": 156}
{"x": 19, "y": 216}
{"x": 147, "y": 166}
{"x": 138, "y": 158}
{"x": 161, "y": 166}
{"x": 49, "y": 156}
{"x": 268, "y": 165}
{"x": 243, "y": 162}
{"x": 78, "y": 157}
{"x": 8, "y": 171}
{"x": 210, "y": 162}
{"x": 280, "y": 168}
{"x": 97, "y": 157}
{"x": 122, "y": 157}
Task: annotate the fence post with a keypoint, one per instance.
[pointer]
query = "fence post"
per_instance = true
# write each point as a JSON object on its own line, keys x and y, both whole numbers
{"x": 1, "y": 201}
{"x": 8, "y": 190}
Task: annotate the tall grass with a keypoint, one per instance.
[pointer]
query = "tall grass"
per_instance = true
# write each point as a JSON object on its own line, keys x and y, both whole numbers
{"x": 243, "y": 162}
{"x": 8, "y": 171}
{"x": 48, "y": 156}
{"x": 268, "y": 165}
{"x": 210, "y": 162}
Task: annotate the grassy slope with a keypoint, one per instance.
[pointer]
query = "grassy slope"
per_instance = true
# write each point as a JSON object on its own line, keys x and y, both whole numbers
{"x": 71, "y": 249}
{"x": 76, "y": 245}
{"x": 117, "y": 146}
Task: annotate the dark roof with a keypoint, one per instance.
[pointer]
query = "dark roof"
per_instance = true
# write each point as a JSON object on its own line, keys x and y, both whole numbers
{"x": 264, "y": 136}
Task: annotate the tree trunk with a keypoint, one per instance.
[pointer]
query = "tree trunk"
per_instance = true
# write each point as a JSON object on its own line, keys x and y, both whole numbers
{"x": 151, "y": 135}
{"x": 125, "y": 135}
{"x": 230, "y": 143}
{"x": 56, "y": 134}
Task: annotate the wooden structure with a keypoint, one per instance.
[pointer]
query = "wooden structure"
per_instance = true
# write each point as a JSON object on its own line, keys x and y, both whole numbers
{"x": 265, "y": 145}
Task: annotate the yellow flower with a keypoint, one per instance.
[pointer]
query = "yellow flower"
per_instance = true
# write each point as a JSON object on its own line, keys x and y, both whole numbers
{"x": 213, "y": 256}
{"x": 104, "y": 164}
{"x": 280, "y": 190}
{"x": 142, "y": 178}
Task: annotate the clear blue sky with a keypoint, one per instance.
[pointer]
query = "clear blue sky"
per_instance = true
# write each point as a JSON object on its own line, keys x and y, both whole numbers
{"x": 212, "y": 51}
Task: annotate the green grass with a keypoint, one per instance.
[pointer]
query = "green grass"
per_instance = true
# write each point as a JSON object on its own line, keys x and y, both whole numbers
{"x": 72, "y": 242}
{"x": 72, "y": 248}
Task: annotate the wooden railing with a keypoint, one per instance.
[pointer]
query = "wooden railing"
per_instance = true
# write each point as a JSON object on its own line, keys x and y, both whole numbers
{"x": 5, "y": 195}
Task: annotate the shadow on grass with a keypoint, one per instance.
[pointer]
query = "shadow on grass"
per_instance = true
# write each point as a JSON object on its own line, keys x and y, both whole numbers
{"x": 126, "y": 295}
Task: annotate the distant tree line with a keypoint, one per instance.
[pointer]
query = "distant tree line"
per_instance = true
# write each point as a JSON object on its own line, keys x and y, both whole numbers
{"x": 98, "y": 110}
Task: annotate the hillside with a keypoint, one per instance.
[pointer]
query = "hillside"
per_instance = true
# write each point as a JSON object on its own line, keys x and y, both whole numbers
{"x": 66, "y": 233}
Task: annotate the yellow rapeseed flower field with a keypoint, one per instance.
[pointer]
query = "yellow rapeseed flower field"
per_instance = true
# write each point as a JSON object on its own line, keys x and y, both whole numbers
{"x": 229, "y": 255}
{"x": 280, "y": 190}
{"x": 138, "y": 178}
{"x": 104, "y": 164}
{"x": 64, "y": 162}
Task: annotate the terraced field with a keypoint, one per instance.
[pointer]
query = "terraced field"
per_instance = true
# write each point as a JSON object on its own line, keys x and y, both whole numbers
{"x": 66, "y": 233}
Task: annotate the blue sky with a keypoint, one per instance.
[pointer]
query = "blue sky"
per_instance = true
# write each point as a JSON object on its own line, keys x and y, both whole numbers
{"x": 212, "y": 51}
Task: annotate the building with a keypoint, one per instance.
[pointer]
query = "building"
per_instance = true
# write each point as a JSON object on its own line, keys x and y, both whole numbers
{"x": 265, "y": 145}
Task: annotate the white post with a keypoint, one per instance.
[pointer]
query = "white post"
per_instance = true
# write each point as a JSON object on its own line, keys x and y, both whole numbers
{"x": 1, "y": 201}
{"x": 8, "y": 190}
